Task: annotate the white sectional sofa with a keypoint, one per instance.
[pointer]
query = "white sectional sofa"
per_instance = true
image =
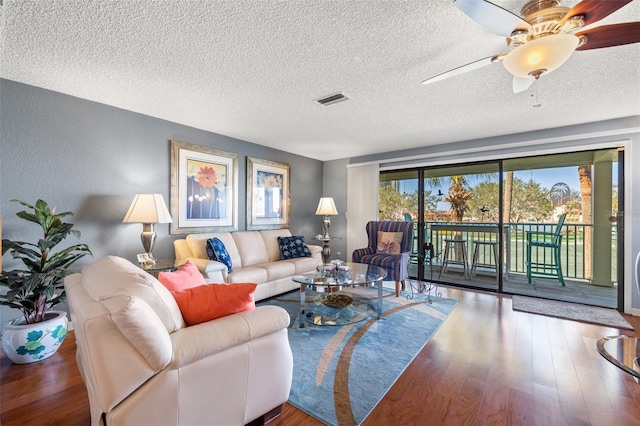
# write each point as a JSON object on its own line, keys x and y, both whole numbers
{"x": 255, "y": 257}
{"x": 142, "y": 366}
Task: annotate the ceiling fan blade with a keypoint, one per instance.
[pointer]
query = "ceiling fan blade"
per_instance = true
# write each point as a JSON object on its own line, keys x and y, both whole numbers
{"x": 464, "y": 68}
{"x": 520, "y": 84}
{"x": 492, "y": 17}
{"x": 611, "y": 35}
{"x": 595, "y": 10}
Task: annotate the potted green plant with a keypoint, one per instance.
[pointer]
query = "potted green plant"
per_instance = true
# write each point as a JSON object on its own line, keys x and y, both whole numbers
{"x": 38, "y": 286}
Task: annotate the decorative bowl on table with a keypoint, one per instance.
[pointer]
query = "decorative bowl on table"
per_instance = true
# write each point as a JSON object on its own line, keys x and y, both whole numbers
{"x": 337, "y": 301}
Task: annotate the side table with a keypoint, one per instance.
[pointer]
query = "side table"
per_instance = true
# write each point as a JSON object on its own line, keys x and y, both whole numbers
{"x": 159, "y": 266}
{"x": 326, "y": 250}
{"x": 424, "y": 286}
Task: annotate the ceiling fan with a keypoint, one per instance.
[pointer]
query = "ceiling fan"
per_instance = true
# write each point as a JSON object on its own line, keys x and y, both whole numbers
{"x": 545, "y": 36}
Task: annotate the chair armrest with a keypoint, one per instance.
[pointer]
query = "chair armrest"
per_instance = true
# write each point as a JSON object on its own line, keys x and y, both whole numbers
{"x": 531, "y": 234}
{"x": 196, "y": 342}
{"x": 358, "y": 254}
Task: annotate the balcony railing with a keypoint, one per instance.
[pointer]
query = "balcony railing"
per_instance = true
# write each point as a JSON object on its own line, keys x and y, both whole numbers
{"x": 572, "y": 246}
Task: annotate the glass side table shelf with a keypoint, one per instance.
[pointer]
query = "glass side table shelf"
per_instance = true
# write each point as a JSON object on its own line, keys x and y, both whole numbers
{"x": 160, "y": 266}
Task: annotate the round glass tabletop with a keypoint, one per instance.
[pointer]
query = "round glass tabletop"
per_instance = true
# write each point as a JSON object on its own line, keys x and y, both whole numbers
{"x": 331, "y": 303}
{"x": 621, "y": 351}
{"x": 341, "y": 275}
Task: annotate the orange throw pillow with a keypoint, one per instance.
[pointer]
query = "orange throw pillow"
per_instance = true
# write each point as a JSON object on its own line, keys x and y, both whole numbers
{"x": 211, "y": 301}
{"x": 186, "y": 276}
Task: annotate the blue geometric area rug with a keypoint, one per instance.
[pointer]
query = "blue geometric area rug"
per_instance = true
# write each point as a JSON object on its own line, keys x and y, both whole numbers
{"x": 340, "y": 373}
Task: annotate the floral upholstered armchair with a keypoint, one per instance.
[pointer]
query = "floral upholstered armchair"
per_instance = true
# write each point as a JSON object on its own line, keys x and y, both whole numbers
{"x": 388, "y": 247}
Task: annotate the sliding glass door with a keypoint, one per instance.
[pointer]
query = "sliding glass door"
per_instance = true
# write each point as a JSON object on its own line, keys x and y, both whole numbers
{"x": 580, "y": 265}
{"x": 462, "y": 225}
{"x": 455, "y": 211}
{"x": 542, "y": 226}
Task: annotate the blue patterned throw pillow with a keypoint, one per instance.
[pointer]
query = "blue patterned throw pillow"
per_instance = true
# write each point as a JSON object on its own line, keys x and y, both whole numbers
{"x": 220, "y": 252}
{"x": 292, "y": 247}
{"x": 211, "y": 253}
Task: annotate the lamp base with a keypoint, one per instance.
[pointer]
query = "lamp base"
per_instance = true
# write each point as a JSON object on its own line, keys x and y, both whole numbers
{"x": 326, "y": 251}
{"x": 148, "y": 238}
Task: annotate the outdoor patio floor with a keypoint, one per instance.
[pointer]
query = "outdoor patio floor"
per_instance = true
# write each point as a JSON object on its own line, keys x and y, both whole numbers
{"x": 515, "y": 283}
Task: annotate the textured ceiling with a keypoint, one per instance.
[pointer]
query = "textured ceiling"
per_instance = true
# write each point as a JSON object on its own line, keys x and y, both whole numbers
{"x": 252, "y": 70}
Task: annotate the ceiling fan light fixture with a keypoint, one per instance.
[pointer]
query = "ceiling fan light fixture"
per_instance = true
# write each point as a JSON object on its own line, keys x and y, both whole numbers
{"x": 545, "y": 53}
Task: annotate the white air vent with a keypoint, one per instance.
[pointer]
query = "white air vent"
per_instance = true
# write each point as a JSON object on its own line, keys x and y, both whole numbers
{"x": 332, "y": 99}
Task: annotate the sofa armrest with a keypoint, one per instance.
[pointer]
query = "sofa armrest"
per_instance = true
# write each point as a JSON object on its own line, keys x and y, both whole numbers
{"x": 212, "y": 270}
{"x": 314, "y": 249}
{"x": 143, "y": 329}
{"x": 202, "y": 340}
{"x": 182, "y": 250}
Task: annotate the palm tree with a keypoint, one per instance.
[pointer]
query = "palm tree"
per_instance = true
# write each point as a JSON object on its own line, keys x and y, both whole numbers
{"x": 458, "y": 197}
{"x": 584, "y": 173}
{"x": 508, "y": 195}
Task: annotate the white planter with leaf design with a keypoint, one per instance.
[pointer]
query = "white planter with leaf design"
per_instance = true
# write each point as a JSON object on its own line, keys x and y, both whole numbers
{"x": 25, "y": 343}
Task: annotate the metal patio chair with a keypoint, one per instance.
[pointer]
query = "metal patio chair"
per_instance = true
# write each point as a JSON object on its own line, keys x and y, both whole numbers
{"x": 545, "y": 266}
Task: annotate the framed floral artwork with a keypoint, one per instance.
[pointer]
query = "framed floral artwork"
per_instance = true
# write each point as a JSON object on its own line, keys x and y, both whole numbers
{"x": 267, "y": 194}
{"x": 204, "y": 189}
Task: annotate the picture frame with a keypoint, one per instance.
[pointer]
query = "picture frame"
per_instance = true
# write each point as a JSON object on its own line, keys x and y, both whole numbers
{"x": 268, "y": 201}
{"x": 204, "y": 189}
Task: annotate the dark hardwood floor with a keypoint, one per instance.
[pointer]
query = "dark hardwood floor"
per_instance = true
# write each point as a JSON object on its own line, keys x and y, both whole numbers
{"x": 487, "y": 365}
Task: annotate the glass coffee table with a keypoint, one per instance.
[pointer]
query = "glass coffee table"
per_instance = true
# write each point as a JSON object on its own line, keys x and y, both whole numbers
{"x": 332, "y": 305}
{"x": 623, "y": 352}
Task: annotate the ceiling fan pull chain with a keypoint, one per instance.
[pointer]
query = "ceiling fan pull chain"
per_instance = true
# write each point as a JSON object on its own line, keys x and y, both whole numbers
{"x": 535, "y": 93}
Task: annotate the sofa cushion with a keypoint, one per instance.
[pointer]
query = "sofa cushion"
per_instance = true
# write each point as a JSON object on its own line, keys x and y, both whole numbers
{"x": 278, "y": 270}
{"x": 211, "y": 301}
{"x": 143, "y": 329}
{"x": 270, "y": 238}
{"x": 221, "y": 253}
{"x": 186, "y": 276}
{"x": 248, "y": 274}
{"x": 251, "y": 247}
{"x": 389, "y": 242}
{"x": 113, "y": 276}
{"x": 197, "y": 243}
{"x": 292, "y": 247}
{"x": 302, "y": 264}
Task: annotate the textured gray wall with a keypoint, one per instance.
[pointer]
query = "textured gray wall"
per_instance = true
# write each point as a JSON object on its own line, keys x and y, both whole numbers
{"x": 335, "y": 185}
{"x": 91, "y": 159}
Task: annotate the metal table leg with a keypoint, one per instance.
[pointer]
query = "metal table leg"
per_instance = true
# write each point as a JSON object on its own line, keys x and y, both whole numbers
{"x": 303, "y": 304}
{"x": 380, "y": 299}
{"x": 427, "y": 286}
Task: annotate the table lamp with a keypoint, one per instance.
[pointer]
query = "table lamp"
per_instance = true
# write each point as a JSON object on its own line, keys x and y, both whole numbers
{"x": 148, "y": 209}
{"x": 326, "y": 207}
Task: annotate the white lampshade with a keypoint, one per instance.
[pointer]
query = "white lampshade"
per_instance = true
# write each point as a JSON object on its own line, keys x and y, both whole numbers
{"x": 542, "y": 55}
{"x": 326, "y": 206}
{"x": 148, "y": 208}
